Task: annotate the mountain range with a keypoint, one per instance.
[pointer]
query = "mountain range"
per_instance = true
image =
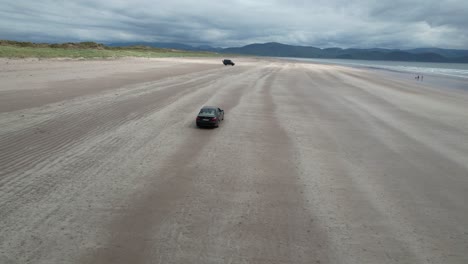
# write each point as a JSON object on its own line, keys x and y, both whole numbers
{"x": 273, "y": 49}
{"x": 166, "y": 45}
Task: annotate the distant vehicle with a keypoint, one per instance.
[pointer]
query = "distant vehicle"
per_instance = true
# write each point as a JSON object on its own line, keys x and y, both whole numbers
{"x": 228, "y": 62}
{"x": 210, "y": 116}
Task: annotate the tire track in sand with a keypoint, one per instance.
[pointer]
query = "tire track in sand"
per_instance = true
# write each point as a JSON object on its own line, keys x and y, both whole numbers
{"x": 250, "y": 210}
{"x": 131, "y": 234}
{"x": 77, "y": 127}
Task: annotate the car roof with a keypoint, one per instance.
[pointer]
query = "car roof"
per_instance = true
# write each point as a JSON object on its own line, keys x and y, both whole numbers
{"x": 210, "y": 107}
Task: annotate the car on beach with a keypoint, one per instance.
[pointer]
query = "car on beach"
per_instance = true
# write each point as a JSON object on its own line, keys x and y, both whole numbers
{"x": 210, "y": 116}
{"x": 228, "y": 62}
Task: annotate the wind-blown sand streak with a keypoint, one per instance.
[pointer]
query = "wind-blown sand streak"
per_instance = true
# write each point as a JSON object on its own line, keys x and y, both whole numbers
{"x": 100, "y": 162}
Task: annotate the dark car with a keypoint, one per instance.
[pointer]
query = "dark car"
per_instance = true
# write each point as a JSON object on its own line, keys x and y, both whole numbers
{"x": 210, "y": 116}
{"x": 228, "y": 62}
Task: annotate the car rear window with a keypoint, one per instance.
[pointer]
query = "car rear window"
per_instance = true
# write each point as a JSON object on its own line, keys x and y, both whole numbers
{"x": 210, "y": 112}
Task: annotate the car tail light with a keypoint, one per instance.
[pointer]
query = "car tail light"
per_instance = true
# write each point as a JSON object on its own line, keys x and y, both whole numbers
{"x": 214, "y": 119}
{"x": 198, "y": 118}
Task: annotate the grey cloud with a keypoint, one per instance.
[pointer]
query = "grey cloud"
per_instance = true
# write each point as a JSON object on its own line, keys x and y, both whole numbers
{"x": 322, "y": 23}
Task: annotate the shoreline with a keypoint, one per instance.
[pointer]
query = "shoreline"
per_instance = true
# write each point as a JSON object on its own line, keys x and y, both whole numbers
{"x": 435, "y": 80}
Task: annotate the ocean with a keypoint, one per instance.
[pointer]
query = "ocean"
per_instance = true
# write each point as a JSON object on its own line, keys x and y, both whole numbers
{"x": 459, "y": 70}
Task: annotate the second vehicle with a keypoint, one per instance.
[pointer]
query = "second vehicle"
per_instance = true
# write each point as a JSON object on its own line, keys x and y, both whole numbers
{"x": 228, "y": 62}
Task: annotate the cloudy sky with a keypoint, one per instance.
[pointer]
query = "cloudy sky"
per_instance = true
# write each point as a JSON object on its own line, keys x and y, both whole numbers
{"x": 224, "y": 23}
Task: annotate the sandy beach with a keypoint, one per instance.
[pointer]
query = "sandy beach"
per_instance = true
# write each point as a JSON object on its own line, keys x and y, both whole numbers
{"x": 101, "y": 162}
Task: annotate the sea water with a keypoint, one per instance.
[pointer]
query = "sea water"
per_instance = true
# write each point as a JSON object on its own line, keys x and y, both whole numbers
{"x": 417, "y": 68}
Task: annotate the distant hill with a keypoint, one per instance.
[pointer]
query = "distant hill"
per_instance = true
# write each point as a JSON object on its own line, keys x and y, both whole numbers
{"x": 449, "y": 53}
{"x": 421, "y": 55}
{"x": 276, "y": 50}
{"x": 166, "y": 45}
{"x": 153, "y": 45}
{"x": 273, "y": 49}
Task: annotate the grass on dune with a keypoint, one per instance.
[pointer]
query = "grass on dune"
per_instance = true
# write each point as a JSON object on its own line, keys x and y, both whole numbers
{"x": 11, "y": 51}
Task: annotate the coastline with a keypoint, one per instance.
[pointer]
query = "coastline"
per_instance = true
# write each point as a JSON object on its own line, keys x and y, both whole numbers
{"x": 434, "y": 80}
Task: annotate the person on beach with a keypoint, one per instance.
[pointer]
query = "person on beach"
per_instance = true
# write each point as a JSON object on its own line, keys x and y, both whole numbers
{"x": 422, "y": 76}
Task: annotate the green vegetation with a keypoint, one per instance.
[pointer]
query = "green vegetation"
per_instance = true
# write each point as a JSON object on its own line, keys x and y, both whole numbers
{"x": 14, "y": 49}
